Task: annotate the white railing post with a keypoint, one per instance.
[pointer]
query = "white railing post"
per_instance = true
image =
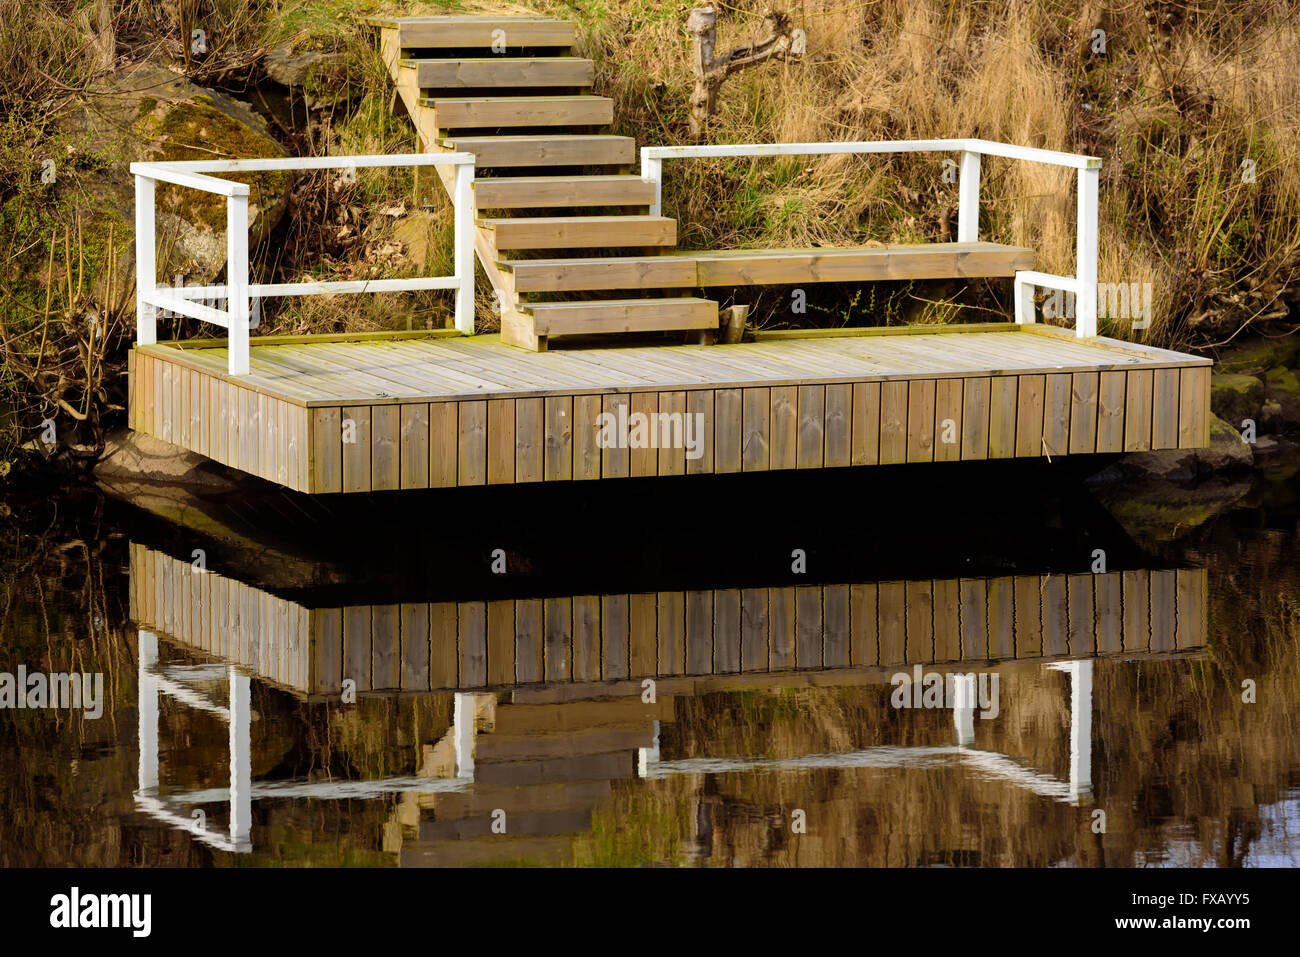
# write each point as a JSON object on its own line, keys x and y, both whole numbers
{"x": 241, "y": 759}
{"x": 652, "y": 171}
{"x": 1024, "y": 300}
{"x": 147, "y": 708}
{"x": 463, "y": 201}
{"x": 237, "y": 283}
{"x": 146, "y": 269}
{"x": 968, "y": 198}
{"x": 1085, "y": 308}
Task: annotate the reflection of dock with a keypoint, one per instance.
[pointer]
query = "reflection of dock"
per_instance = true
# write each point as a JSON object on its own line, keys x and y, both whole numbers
{"x": 576, "y": 640}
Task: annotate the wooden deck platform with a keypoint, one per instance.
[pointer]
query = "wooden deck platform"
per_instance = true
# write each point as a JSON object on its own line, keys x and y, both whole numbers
{"x": 564, "y": 647}
{"x": 374, "y": 412}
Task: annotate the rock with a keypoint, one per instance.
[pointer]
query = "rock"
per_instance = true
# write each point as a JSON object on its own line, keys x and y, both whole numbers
{"x": 135, "y": 457}
{"x": 1155, "y": 512}
{"x": 292, "y": 67}
{"x": 1227, "y": 452}
{"x": 1257, "y": 355}
{"x": 1236, "y": 396}
{"x": 150, "y": 113}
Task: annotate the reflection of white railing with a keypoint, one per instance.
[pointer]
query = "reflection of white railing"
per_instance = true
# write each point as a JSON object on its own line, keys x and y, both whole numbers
{"x": 990, "y": 763}
{"x": 238, "y": 291}
{"x": 1083, "y": 283}
{"x": 155, "y": 681}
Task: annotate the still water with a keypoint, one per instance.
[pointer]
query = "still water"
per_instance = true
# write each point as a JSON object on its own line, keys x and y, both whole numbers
{"x": 756, "y": 673}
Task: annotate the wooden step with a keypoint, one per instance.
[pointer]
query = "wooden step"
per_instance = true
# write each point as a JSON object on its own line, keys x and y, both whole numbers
{"x": 430, "y": 33}
{"x": 557, "y": 796}
{"x": 580, "y": 232}
{"x": 629, "y": 712}
{"x": 514, "y": 747}
{"x": 621, "y": 315}
{"x": 618, "y": 765}
{"x": 623, "y": 272}
{"x": 545, "y": 150}
{"x": 504, "y": 111}
{"x": 487, "y": 850}
{"x": 542, "y": 192}
{"x": 501, "y": 72}
{"x": 520, "y": 822}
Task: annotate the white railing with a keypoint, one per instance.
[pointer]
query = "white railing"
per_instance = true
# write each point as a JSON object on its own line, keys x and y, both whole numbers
{"x": 238, "y": 291}
{"x": 1083, "y": 283}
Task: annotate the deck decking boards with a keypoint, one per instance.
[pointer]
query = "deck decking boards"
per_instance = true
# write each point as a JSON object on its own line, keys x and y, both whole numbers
{"x": 334, "y": 414}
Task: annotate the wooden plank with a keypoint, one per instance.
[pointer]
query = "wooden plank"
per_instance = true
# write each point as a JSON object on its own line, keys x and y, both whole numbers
{"x": 781, "y": 629}
{"x": 947, "y": 620}
{"x": 595, "y": 232}
{"x": 645, "y": 453}
{"x": 1002, "y": 416}
{"x": 385, "y": 447}
{"x": 356, "y": 646}
{"x": 1056, "y": 413}
{"x": 326, "y": 651}
{"x": 444, "y": 658}
{"x": 502, "y": 72}
{"x": 1108, "y": 611}
{"x": 444, "y": 444}
{"x": 891, "y": 612}
{"x": 415, "y": 647}
{"x": 1028, "y": 616}
{"x": 385, "y": 647}
{"x": 919, "y": 620}
{"x": 672, "y": 455}
{"x": 838, "y": 449}
{"x": 471, "y": 640}
{"x": 1163, "y": 609}
{"x": 785, "y": 427}
{"x": 893, "y": 422}
{"x": 863, "y": 626}
{"x": 1029, "y": 415}
{"x": 672, "y": 632}
{"x": 973, "y": 596}
{"x": 699, "y": 406}
{"x": 753, "y": 630}
{"x": 643, "y": 635}
{"x": 615, "y": 637}
{"x": 976, "y": 405}
{"x": 1137, "y": 611}
{"x": 586, "y": 638}
{"x": 529, "y": 641}
{"x": 451, "y": 32}
{"x": 866, "y": 423}
{"x": 1164, "y": 409}
{"x": 1193, "y": 408}
{"x": 500, "y": 441}
{"x": 726, "y": 631}
{"x": 948, "y": 420}
{"x": 727, "y": 425}
{"x": 1084, "y": 393}
{"x": 808, "y": 626}
{"x": 1137, "y": 411}
{"x": 557, "y": 615}
{"x": 356, "y": 453}
{"x": 836, "y": 642}
{"x": 756, "y": 416}
{"x": 699, "y": 632}
{"x": 1081, "y": 614}
{"x": 327, "y": 449}
{"x": 530, "y": 441}
{"x": 586, "y": 431}
{"x": 472, "y": 445}
{"x": 1003, "y": 613}
{"x": 1111, "y": 400}
{"x": 553, "y": 192}
{"x": 522, "y": 111}
{"x": 558, "y": 460}
{"x": 615, "y": 456}
{"x": 921, "y": 395}
{"x": 501, "y": 642}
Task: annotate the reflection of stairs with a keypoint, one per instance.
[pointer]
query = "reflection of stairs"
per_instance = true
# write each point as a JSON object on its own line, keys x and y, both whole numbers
{"x": 547, "y": 766}
{"x": 550, "y": 180}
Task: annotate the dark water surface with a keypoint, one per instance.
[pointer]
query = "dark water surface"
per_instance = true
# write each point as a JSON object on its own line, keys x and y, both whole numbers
{"x": 694, "y": 673}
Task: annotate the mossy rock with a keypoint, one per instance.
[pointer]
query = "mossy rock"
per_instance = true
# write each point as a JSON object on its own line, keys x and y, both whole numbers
{"x": 1236, "y": 396}
{"x": 1256, "y": 356}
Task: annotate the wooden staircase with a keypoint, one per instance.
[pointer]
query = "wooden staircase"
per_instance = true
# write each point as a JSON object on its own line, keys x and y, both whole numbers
{"x": 550, "y": 181}
{"x": 552, "y": 186}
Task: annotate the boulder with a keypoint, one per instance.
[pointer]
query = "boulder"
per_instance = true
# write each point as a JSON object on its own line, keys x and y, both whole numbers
{"x": 1235, "y": 396}
{"x": 1227, "y": 452}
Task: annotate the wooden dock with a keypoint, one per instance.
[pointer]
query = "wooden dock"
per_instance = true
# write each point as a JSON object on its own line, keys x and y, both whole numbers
{"x": 592, "y": 645}
{"x": 373, "y": 412}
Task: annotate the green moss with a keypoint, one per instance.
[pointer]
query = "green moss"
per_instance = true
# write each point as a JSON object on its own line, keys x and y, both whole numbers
{"x": 1282, "y": 379}
{"x": 197, "y": 130}
{"x": 147, "y": 105}
{"x": 1235, "y": 396}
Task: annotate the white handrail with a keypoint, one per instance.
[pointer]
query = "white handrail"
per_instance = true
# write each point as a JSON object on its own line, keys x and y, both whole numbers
{"x": 238, "y": 291}
{"x": 1084, "y": 281}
